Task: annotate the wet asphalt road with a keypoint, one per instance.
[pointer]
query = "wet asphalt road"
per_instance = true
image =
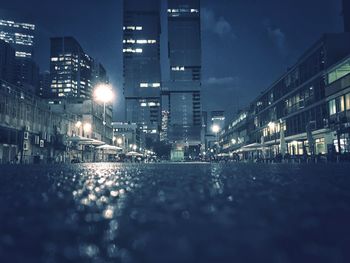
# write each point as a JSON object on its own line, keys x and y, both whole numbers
{"x": 175, "y": 213}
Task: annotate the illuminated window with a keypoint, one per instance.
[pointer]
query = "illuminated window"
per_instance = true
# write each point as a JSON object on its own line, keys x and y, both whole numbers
{"x": 138, "y": 28}
{"x": 131, "y": 50}
{"x": 341, "y": 104}
{"x": 332, "y": 107}
{"x": 347, "y": 101}
{"x": 178, "y": 68}
{"x": 144, "y": 41}
{"x": 341, "y": 71}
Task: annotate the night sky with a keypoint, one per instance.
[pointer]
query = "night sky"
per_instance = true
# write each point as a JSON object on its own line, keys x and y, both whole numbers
{"x": 247, "y": 44}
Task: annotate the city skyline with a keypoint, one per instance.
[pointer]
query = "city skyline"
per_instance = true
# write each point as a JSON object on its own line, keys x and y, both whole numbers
{"x": 174, "y": 131}
{"x": 225, "y": 33}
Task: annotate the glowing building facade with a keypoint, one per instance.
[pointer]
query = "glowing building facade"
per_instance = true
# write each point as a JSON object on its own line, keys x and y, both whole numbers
{"x": 141, "y": 58}
{"x": 71, "y": 69}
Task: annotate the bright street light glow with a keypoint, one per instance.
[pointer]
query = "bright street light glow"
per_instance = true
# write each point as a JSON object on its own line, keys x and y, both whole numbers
{"x": 272, "y": 126}
{"x": 215, "y": 128}
{"x": 78, "y": 124}
{"x": 87, "y": 127}
{"x": 103, "y": 93}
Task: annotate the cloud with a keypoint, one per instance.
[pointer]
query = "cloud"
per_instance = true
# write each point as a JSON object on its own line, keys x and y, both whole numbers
{"x": 216, "y": 25}
{"x": 277, "y": 36}
{"x": 221, "y": 81}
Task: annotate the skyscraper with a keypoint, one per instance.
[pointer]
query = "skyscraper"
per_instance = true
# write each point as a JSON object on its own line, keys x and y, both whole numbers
{"x": 71, "y": 69}
{"x": 346, "y": 14}
{"x": 7, "y": 62}
{"x": 185, "y": 72}
{"x": 20, "y": 35}
{"x": 141, "y": 58}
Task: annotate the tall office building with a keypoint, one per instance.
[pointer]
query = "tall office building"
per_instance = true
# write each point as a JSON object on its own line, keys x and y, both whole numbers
{"x": 184, "y": 89}
{"x": 7, "y": 62}
{"x": 346, "y": 14}
{"x": 20, "y": 35}
{"x": 141, "y": 58}
{"x": 71, "y": 69}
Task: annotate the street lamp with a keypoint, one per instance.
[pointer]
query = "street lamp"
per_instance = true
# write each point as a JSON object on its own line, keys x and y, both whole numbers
{"x": 215, "y": 129}
{"x": 104, "y": 93}
{"x": 119, "y": 141}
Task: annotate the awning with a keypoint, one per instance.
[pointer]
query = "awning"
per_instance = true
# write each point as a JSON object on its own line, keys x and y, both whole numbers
{"x": 109, "y": 147}
{"x": 78, "y": 139}
{"x": 85, "y": 141}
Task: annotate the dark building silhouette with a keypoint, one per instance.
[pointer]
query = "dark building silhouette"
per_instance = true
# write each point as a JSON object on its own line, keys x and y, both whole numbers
{"x": 346, "y": 14}
{"x": 44, "y": 84}
{"x": 7, "y": 62}
{"x": 71, "y": 69}
{"x": 99, "y": 74}
{"x": 141, "y": 59}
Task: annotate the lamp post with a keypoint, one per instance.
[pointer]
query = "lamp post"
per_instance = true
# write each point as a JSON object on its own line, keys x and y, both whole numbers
{"x": 104, "y": 93}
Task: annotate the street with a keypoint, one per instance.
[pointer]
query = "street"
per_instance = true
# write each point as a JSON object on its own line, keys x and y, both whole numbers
{"x": 175, "y": 213}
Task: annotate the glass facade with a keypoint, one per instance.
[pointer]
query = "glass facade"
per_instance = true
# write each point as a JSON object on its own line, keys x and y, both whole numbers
{"x": 141, "y": 59}
{"x": 185, "y": 71}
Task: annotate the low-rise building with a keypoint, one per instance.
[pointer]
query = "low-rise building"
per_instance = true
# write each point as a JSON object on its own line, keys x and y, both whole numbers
{"x": 29, "y": 131}
{"x": 338, "y": 102}
{"x": 292, "y": 115}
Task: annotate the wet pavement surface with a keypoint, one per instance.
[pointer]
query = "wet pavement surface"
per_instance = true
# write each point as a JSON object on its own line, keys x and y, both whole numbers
{"x": 175, "y": 213}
